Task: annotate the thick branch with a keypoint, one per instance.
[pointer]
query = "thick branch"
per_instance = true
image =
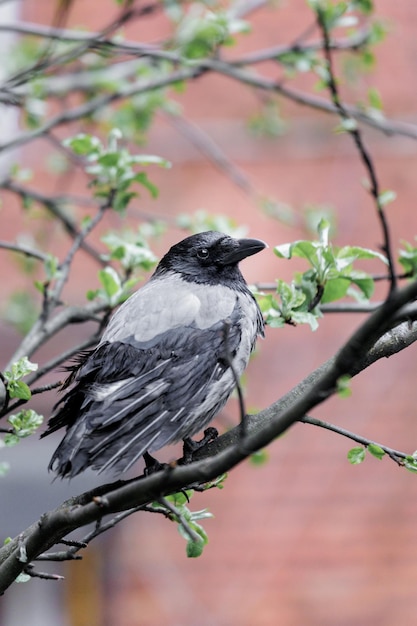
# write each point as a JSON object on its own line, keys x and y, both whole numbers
{"x": 369, "y": 343}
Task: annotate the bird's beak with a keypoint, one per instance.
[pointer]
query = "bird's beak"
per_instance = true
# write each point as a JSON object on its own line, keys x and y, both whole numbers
{"x": 246, "y": 247}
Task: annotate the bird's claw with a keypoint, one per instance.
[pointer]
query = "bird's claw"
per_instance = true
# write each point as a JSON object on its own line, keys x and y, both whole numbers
{"x": 152, "y": 465}
{"x": 191, "y": 446}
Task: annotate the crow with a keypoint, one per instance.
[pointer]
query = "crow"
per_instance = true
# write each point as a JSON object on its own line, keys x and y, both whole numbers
{"x": 167, "y": 361}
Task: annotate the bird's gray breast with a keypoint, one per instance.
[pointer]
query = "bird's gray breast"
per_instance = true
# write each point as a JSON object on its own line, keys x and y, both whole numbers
{"x": 167, "y": 304}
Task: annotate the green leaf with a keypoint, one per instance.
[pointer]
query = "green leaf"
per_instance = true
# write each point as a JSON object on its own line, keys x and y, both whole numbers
{"x": 131, "y": 249}
{"x": 356, "y": 455}
{"x": 92, "y": 294}
{"x": 346, "y": 126}
{"x": 376, "y": 451}
{"x": 303, "y": 317}
{"x": 366, "y": 285}
{"x": 259, "y": 458}
{"x": 109, "y": 159}
{"x": 150, "y": 159}
{"x": 110, "y": 281}
{"x": 25, "y": 423}
{"x": 408, "y": 259}
{"x": 21, "y": 311}
{"x": 84, "y": 145}
{"x": 11, "y": 440}
{"x": 16, "y": 387}
{"x": 51, "y": 267}
{"x": 201, "y": 31}
{"x": 374, "y": 98}
{"x": 216, "y": 482}
{"x": 268, "y": 123}
{"x": 22, "y": 578}
{"x": 194, "y": 548}
{"x": 353, "y": 253}
{"x": 19, "y": 389}
{"x": 323, "y": 229}
{"x": 142, "y": 179}
{"x": 303, "y": 249}
{"x": 410, "y": 463}
{"x": 291, "y": 296}
{"x": 377, "y": 32}
{"x": 275, "y": 322}
{"x": 20, "y": 368}
{"x": 122, "y": 200}
{"x": 335, "y": 289}
{"x": 365, "y": 6}
{"x": 343, "y": 386}
{"x": 4, "y": 468}
{"x": 181, "y": 498}
{"x": 386, "y": 197}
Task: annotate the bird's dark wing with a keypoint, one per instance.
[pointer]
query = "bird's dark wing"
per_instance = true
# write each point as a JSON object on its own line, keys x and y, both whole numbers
{"x": 130, "y": 397}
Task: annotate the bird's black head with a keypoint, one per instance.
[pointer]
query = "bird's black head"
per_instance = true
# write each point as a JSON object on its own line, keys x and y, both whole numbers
{"x": 209, "y": 257}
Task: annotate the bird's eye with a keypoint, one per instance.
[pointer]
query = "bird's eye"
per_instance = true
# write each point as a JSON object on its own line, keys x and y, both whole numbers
{"x": 202, "y": 253}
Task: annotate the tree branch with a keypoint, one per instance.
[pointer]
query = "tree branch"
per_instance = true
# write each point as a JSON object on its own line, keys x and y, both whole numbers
{"x": 41, "y": 332}
{"x": 22, "y": 249}
{"x": 369, "y": 343}
{"x": 53, "y": 206}
{"x": 99, "y": 102}
{"x": 193, "y": 70}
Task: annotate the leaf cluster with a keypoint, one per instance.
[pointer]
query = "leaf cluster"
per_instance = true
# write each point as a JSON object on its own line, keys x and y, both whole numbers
{"x": 331, "y": 276}
{"x": 113, "y": 169}
{"x": 189, "y": 521}
{"x": 357, "y": 455}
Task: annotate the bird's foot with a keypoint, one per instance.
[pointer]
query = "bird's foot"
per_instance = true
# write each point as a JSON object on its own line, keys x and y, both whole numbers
{"x": 152, "y": 465}
{"x": 191, "y": 446}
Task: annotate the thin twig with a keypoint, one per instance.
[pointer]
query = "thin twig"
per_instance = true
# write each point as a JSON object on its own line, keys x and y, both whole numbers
{"x": 64, "y": 267}
{"x": 389, "y": 127}
{"x": 22, "y": 249}
{"x": 46, "y": 61}
{"x": 205, "y": 144}
{"x": 355, "y": 42}
{"x": 229, "y": 361}
{"x": 53, "y": 206}
{"x": 395, "y": 455}
{"x": 55, "y": 362}
{"x": 42, "y": 331}
{"x": 30, "y": 571}
{"x": 352, "y": 128}
{"x": 43, "y": 388}
{"x": 181, "y": 519}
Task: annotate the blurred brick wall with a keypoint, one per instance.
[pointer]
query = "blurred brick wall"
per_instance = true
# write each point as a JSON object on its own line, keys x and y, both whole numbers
{"x": 307, "y": 538}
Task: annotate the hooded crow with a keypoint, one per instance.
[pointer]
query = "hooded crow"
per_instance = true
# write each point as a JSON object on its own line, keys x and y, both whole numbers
{"x": 161, "y": 371}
